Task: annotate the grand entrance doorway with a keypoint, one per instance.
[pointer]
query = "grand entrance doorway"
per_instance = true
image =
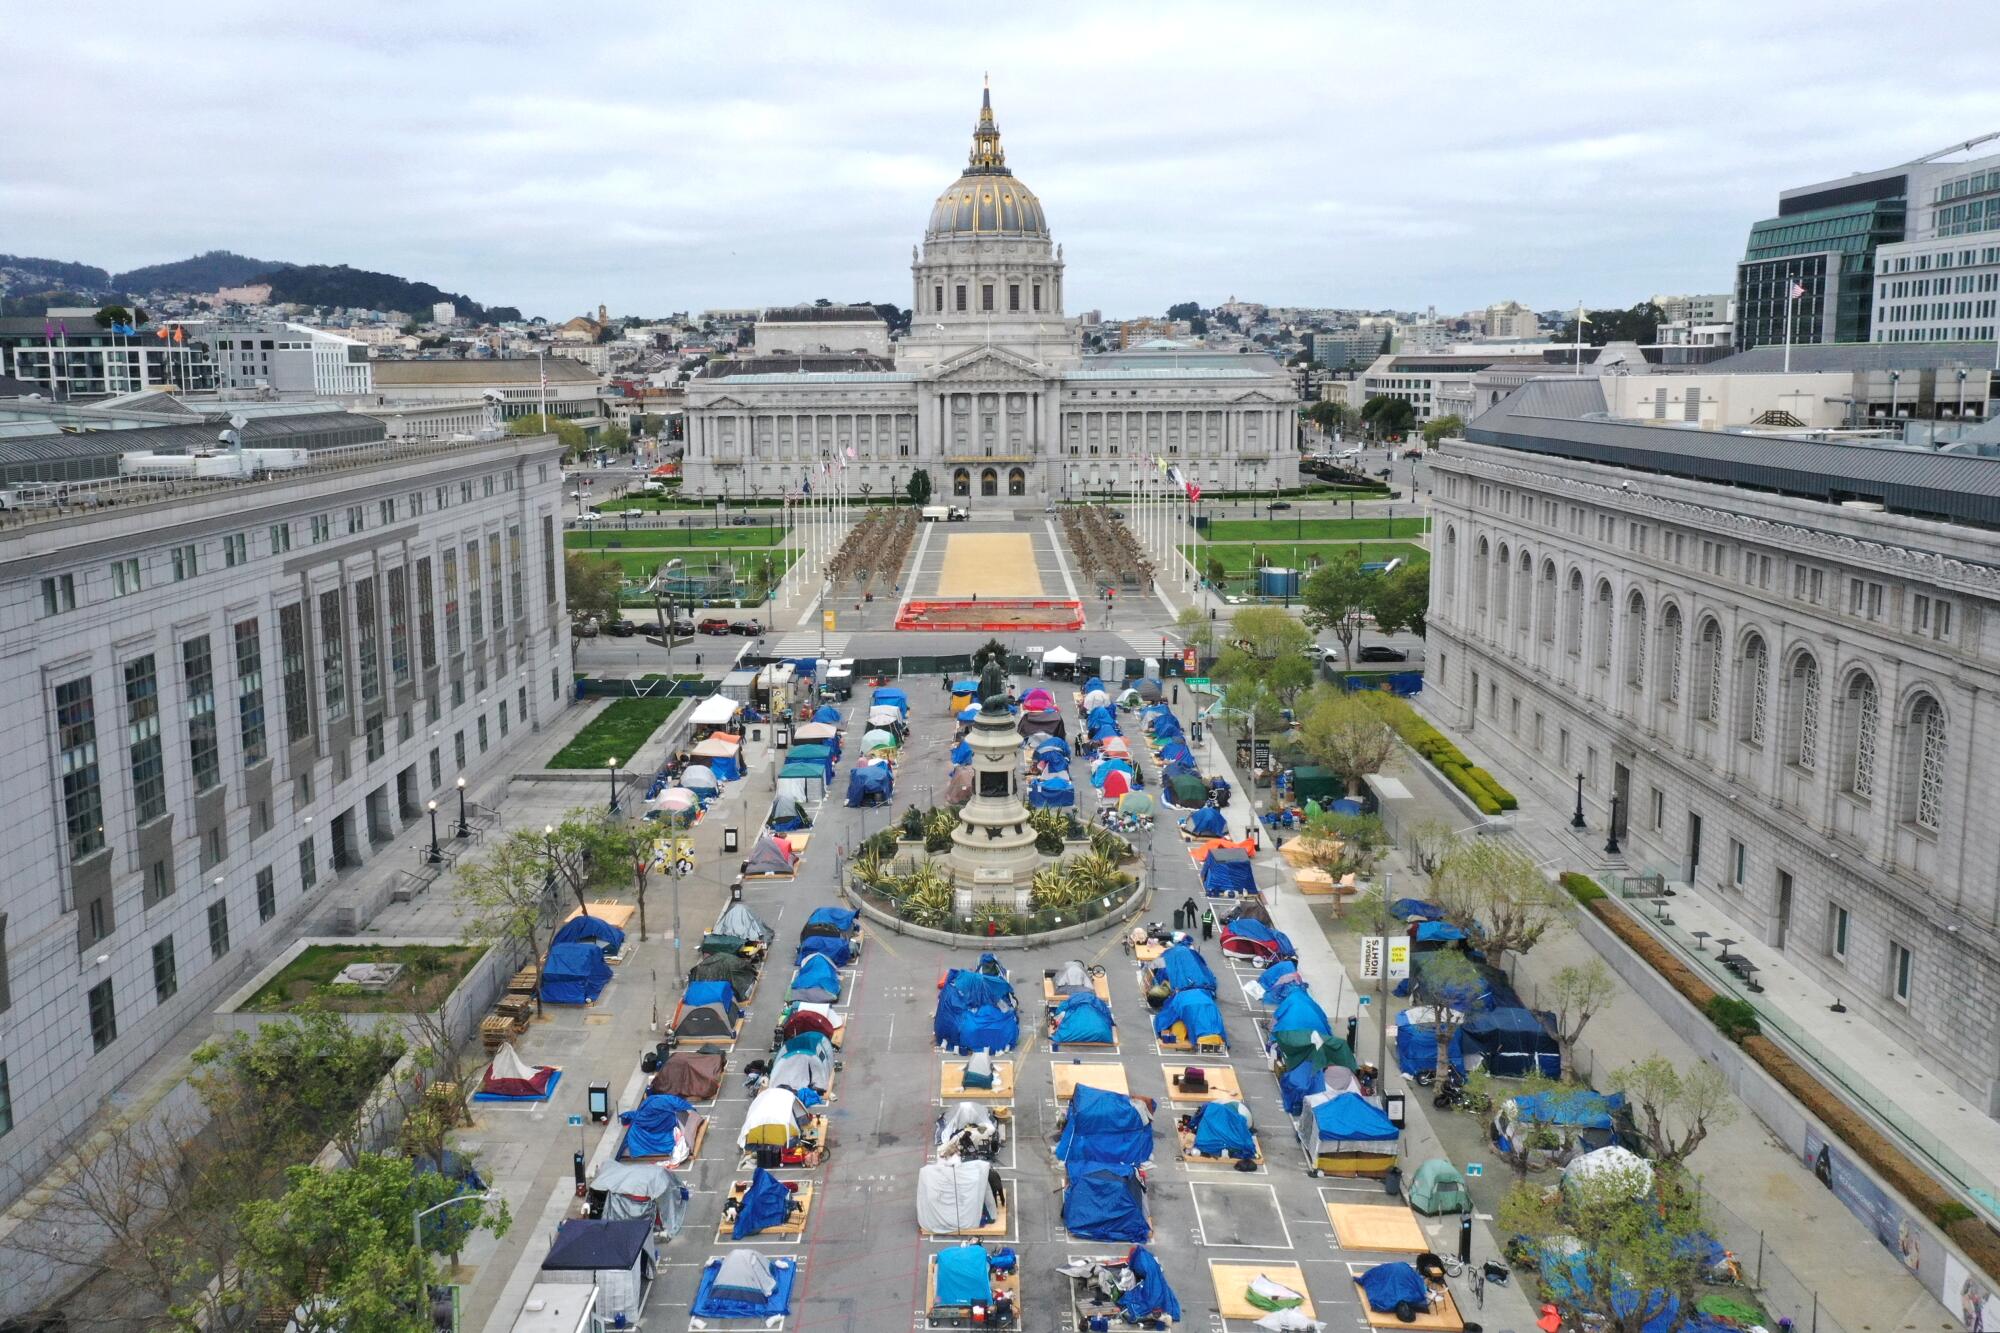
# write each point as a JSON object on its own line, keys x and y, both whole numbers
{"x": 1017, "y": 481}
{"x": 961, "y": 482}
{"x": 989, "y": 482}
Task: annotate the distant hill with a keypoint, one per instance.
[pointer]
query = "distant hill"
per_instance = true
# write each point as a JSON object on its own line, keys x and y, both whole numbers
{"x": 203, "y": 273}
{"x": 21, "y": 273}
{"x": 339, "y": 285}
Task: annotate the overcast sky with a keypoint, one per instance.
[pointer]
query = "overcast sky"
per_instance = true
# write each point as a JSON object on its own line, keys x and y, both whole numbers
{"x": 670, "y": 157}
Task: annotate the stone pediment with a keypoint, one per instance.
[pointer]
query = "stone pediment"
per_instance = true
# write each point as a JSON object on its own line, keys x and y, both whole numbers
{"x": 1261, "y": 396}
{"x": 725, "y": 402}
{"x": 989, "y": 365}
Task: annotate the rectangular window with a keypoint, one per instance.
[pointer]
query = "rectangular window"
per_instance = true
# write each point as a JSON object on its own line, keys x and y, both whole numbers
{"x": 937, "y": 297}
{"x": 458, "y": 748}
{"x": 218, "y": 929}
{"x": 503, "y": 718}
{"x": 1013, "y": 296}
{"x": 198, "y": 683}
{"x": 475, "y": 603}
{"x": 76, "y": 742}
{"x": 482, "y": 733}
{"x": 333, "y": 654}
{"x": 399, "y": 625}
{"x": 357, "y": 520}
{"x": 452, "y": 642}
{"x": 1737, "y": 856}
{"x": 1659, "y": 809}
{"x": 986, "y": 296}
{"x": 387, "y": 511}
{"x": 367, "y": 652}
{"x": 515, "y": 574}
{"x": 58, "y": 594}
{"x": 236, "y": 550}
{"x": 1836, "y": 931}
{"x": 1901, "y": 963}
{"x": 960, "y": 298}
{"x": 250, "y": 692}
{"x": 186, "y": 562}
{"x": 6, "y": 1102}
{"x": 493, "y": 578}
{"x": 548, "y": 559}
{"x": 142, "y": 740}
{"x": 124, "y": 577}
{"x": 292, "y": 667}
{"x": 165, "y": 983}
{"x": 426, "y": 615}
{"x": 322, "y": 528}
{"x": 267, "y": 894}
{"x": 308, "y": 865}
{"x": 103, "y": 1016}
{"x": 281, "y": 538}
{"x": 1036, "y": 292}
{"x": 373, "y": 730}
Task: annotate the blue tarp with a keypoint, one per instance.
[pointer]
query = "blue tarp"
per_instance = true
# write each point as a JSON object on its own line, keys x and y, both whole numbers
{"x": 1177, "y": 753}
{"x": 1222, "y": 1130}
{"x": 1184, "y": 969}
{"x": 1252, "y": 929}
{"x": 976, "y": 1013}
{"x": 1094, "y": 683}
{"x": 587, "y": 929}
{"x": 1151, "y": 1297}
{"x": 1298, "y": 1011}
{"x": 713, "y": 992}
{"x": 964, "y": 1276}
{"x": 1415, "y": 909}
{"x": 1352, "y": 1118}
{"x": 1166, "y": 728}
{"x": 1104, "y": 1126}
{"x": 1223, "y": 873}
{"x": 1580, "y": 1109}
{"x": 767, "y": 1204}
{"x": 827, "y": 713}
{"x": 1272, "y": 978}
{"x": 712, "y": 1302}
{"x": 1082, "y": 1018}
{"x": 1437, "y": 932}
{"x": 1055, "y": 793}
{"x": 967, "y": 686}
{"x": 969, "y": 712}
{"x": 1416, "y": 1045}
{"x": 1194, "y": 1011}
{"x": 1101, "y": 713}
{"x": 870, "y": 781}
{"x": 1390, "y": 1285}
{"x": 836, "y": 947}
{"x": 1209, "y": 822}
{"x": 890, "y": 697}
{"x": 818, "y": 973}
{"x": 1566, "y": 1278}
{"x": 961, "y": 753}
{"x": 1511, "y": 1043}
{"x": 574, "y": 974}
{"x": 840, "y": 918}
{"x": 1106, "y": 1203}
{"x": 1298, "y": 1083}
{"x": 650, "y": 1130}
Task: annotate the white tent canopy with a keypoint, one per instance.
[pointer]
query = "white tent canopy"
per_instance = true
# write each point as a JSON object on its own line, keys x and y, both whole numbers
{"x": 773, "y": 1107}
{"x": 1059, "y": 656}
{"x": 507, "y": 1063}
{"x": 951, "y": 1196}
{"x": 1613, "y": 1168}
{"x": 715, "y": 711}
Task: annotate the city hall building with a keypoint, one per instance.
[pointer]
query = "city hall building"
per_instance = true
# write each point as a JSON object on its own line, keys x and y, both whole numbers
{"x": 1781, "y": 658}
{"x": 990, "y": 392}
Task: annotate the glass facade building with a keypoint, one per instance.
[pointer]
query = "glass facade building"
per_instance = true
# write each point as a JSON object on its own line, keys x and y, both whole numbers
{"x": 1827, "y": 247}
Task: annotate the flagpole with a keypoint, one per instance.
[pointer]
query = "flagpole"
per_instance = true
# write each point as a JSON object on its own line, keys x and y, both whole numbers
{"x": 1790, "y": 287}
{"x": 1579, "y": 337}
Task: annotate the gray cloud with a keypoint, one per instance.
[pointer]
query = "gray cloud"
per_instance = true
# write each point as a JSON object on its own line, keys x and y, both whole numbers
{"x": 675, "y": 157}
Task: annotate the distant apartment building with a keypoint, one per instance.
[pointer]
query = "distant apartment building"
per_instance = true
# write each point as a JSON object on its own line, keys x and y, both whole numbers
{"x": 1707, "y": 308}
{"x": 802, "y": 330}
{"x": 1435, "y": 384}
{"x": 1943, "y": 283}
{"x": 1510, "y": 321}
{"x": 71, "y": 357}
{"x": 286, "y": 358}
{"x": 1344, "y": 348}
{"x": 443, "y": 312}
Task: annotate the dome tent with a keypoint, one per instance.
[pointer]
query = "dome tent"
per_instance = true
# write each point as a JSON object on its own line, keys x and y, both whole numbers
{"x": 1106, "y": 1203}
{"x": 585, "y": 928}
{"x": 817, "y": 979}
{"x": 738, "y": 920}
{"x": 510, "y": 1076}
{"x": 744, "y": 1284}
{"x": 1222, "y": 1129}
{"x": 1082, "y": 1019}
{"x": 1190, "y": 1018}
{"x": 1438, "y": 1188}
{"x": 693, "y": 1076}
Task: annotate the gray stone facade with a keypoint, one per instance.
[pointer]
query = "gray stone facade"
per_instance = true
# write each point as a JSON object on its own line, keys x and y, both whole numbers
{"x": 1790, "y": 699}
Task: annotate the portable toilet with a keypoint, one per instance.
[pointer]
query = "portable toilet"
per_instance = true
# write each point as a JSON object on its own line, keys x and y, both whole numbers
{"x": 1151, "y": 669}
{"x": 1112, "y": 669}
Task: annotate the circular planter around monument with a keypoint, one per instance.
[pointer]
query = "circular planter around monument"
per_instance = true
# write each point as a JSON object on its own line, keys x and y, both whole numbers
{"x": 1138, "y": 897}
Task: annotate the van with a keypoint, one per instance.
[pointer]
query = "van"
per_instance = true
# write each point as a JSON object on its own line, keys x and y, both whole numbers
{"x": 936, "y": 513}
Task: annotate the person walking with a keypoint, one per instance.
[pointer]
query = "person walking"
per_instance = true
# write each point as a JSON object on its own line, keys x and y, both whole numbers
{"x": 1191, "y": 912}
{"x": 1207, "y": 923}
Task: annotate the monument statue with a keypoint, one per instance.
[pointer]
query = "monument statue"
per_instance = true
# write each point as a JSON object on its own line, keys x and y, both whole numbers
{"x": 993, "y": 684}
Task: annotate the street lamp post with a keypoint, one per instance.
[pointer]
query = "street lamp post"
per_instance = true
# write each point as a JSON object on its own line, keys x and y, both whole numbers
{"x": 437, "y": 852}
{"x": 611, "y": 768}
{"x": 1611, "y": 841}
{"x": 1576, "y": 820}
{"x": 464, "y": 829}
{"x": 417, "y": 1232}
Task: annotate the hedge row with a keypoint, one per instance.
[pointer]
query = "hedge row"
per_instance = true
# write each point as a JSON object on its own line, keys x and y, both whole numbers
{"x": 1482, "y": 787}
{"x": 1967, "y": 1230}
{"x": 1581, "y": 887}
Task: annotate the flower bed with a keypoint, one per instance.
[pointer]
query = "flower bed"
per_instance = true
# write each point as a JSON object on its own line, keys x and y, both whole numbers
{"x": 1481, "y": 787}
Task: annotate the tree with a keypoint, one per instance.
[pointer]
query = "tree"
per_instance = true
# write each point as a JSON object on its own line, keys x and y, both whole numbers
{"x": 508, "y": 893}
{"x": 1270, "y": 632}
{"x": 113, "y": 314}
{"x": 1197, "y": 631}
{"x": 1290, "y": 676}
{"x": 1335, "y": 596}
{"x": 335, "y": 1248}
{"x": 1639, "y": 324}
{"x": 631, "y": 843}
{"x": 1328, "y": 414}
{"x": 568, "y": 432}
{"x": 1400, "y": 599}
{"x": 1449, "y": 983}
{"x": 1628, "y": 1237}
{"x": 918, "y": 488}
{"x": 1496, "y": 895}
{"x": 1184, "y": 310}
{"x": 1576, "y": 994}
{"x": 586, "y": 848}
{"x": 1428, "y": 842}
{"x": 1197, "y": 326}
{"x": 1218, "y": 573}
{"x": 1388, "y": 416}
{"x": 306, "y": 1075}
{"x": 594, "y": 584}
{"x": 1347, "y": 733}
{"x": 1438, "y": 428}
{"x": 615, "y": 438}
{"x": 1673, "y": 1109}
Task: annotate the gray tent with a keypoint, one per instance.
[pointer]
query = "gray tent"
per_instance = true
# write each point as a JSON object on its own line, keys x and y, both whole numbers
{"x": 978, "y": 1070}
{"x": 744, "y": 1275}
{"x": 704, "y": 1020}
{"x": 1070, "y": 978}
{"x": 770, "y": 857}
{"x": 642, "y": 1189}
{"x": 799, "y": 1070}
{"x": 968, "y": 1129}
{"x": 743, "y": 923}
{"x": 957, "y": 1195}
{"x": 786, "y": 810}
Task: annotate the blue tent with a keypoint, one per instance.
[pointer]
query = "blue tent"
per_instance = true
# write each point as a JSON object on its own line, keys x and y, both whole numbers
{"x": 964, "y": 1276}
{"x": 1390, "y": 1285}
{"x": 1209, "y": 822}
{"x": 580, "y": 929}
{"x": 574, "y": 973}
{"x": 1166, "y": 728}
{"x": 1177, "y": 753}
{"x": 1101, "y": 771}
{"x": 1272, "y": 978}
{"x": 1565, "y": 1276}
{"x": 1104, "y": 1126}
{"x": 1352, "y": 1118}
{"x": 1416, "y": 1045}
{"x": 1194, "y": 1012}
{"x": 972, "y": 986}
{"x": 1415, "y": 909}
{"x": 1106, "y": 1203}
{"x": 976, "y": 1012}
{"x": 1298, "y": 1011}
{"x": 1183, "y": 969}
{"x": 1582, "y": 1108}
{"x": 1150, "y": 1297}
{"x": 1083, "y": 1018}
{"x": 838, "y": 948}
{"x": 1299, "y": 1082}
{"x": 1437, "y": 932}
{"x": 1052, "y": 750}
{"x": 969, "y": 712}
{"x": 870, "y": 783}
{"x": 1221, "y": 1129}
{"x": 1227, "y": 870}
{"x": 841, "y": 919}
{"x": 767, "y": 1204}
{"x": 651, "y": 1129}
{"x": 1510, "y": 1043}
{"x": 722, "y": 1295}
{"x": 1094, "y": 683}
{"x": 889, "y": 697}
{"x": 961, "y": 753}
{"x": 818, "y": 974}
{"x": 712, "y": 992}
{"x": 827, "y": 713}
{"x": 1052, "y": 793}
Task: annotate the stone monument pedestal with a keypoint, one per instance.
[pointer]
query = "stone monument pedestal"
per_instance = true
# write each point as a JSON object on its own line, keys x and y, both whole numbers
{"x": 992, "y": 860}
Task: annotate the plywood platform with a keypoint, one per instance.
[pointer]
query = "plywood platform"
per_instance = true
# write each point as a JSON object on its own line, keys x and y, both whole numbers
{"x": 1098, "y": 982}
{"x": 802, "y": 1190}
{"x": 1442, "y": 1317}
{"x": 1193, "y": 1158}
{"x": 996, "y": 564}
{"x": 959, "y": 1316}
{"x": 1232, "y": 1280}
{"x": 951, "y": 1083}
{"x": 1223, "y": 1085}
{"x": 1211, "y": 1047}
{"x": 1377, "y": 1226}
{"x": 1069, "y": 1077}
{"x": 617, "y": 914}
{"x": 991, "y": 1231}
{"x": 1149, "y": 952}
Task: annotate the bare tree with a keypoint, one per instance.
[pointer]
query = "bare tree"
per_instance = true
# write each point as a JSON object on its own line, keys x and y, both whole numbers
{"x": 1496, "y": 894}
{"x": 1428, "y": 841}
{"x": 1577, "y": 993}
{"x": 507, "y": 896}
{"x": 1448, "y": 982}
{"x": 1675, "y": 1109}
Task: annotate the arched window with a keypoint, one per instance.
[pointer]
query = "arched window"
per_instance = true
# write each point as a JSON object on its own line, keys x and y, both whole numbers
{"x": 961, "y": 482}
{"x": 1859, "y": 720}
{"x": 1600, "y": 648}
{"x": 1754, "y": 677}
{"x": 1017, "y": 481}
{"x": 1635, "y": 640}
{"x": 1481, "y": 559}
{"x": 1574, "y": 635}
{"x": 1802, "y": 712}
{"x": 1670, "y": 649}
{"x": 1708, "y": 672}
{"x": 1450, "y": 562}
{"x": 1925, "y": 745}
{"x": 1545, "y": 610}
{"x": 989, "y": 482}
{"x": 1500, "y": 582}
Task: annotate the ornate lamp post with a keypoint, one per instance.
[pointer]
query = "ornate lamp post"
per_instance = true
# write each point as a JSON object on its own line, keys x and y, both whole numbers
{"x": 464, "y": 829}
{"x": 611, "y": 768}
{"x": 1576, "y": 820}
{"x": 436, "y": 852}
{"x": 1611, "y": 842}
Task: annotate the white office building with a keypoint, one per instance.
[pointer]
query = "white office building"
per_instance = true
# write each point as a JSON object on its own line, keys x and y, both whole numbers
{"x": 1943, "y": 284}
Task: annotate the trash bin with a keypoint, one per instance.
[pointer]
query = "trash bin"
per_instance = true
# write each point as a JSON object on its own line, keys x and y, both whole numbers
{"x": 1392, "y": 1182}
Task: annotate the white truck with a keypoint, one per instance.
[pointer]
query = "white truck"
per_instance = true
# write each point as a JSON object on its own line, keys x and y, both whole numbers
{"x": 936, "y": 513}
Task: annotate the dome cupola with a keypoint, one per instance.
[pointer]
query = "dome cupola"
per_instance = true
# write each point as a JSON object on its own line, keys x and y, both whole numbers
{"x": 987, "y": 200}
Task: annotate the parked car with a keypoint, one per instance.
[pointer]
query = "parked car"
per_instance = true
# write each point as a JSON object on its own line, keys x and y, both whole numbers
{"x": 683, "y": 627}
{"x": 749, "y": 629}
{"x": 714, "y": 625}
{"x": 1276, "y": 505}
{"x": 653, "y": 629}
{"x": 1380, "y": 652}
{"x": 620, "y": 628}
{"x": 585, "y": 628}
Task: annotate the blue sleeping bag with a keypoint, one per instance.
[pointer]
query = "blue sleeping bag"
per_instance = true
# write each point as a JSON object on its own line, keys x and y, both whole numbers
{"x": 767, "y": 1204}
{"x": 1083, "y": 1018}
{"x": 1222, "y": 1130}
{"x": 1390, "y": 1285}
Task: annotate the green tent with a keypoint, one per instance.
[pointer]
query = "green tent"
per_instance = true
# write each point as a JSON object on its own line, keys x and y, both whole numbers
{"x": 1189, "y": 791}
{"x": 1438, "y": 1188}
{"x": 1317, "y": 784}
{"x": 738, "y": 971}
{"x": 1296, "y": 1047}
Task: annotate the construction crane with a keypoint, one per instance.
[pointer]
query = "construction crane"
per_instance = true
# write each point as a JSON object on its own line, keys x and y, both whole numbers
{"x": 1955, "y": 148}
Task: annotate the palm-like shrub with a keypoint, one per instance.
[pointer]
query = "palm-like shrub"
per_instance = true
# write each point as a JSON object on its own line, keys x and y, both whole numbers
{"x": 927, "y": 897}
{"x": 938, "y": 825}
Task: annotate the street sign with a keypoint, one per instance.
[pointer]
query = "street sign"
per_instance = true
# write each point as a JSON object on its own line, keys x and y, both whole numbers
{"x": 1187, "y": 659}
{"x": 1371, "y": 959}
{"x": 576, "y": 1121}
{"x": 1399, "y": 959}
{"x": 827, "y": 620}
{"x": 1261, "y": 754}
{"x": 1475, "y": 1169}
{"x": 1366, "y": 1000}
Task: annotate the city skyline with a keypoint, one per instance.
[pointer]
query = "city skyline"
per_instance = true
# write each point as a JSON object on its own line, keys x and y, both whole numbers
{"x": 662, "y": 164}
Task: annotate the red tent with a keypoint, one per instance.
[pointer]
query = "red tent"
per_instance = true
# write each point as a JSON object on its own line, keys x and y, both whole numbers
{"x": 511, "y": 1076}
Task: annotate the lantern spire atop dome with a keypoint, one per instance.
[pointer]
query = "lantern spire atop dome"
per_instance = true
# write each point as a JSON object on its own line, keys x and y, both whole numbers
{"x": 987, "y": 157}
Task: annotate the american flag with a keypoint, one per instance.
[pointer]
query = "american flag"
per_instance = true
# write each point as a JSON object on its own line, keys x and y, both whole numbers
{"x": 1798, "y": 290}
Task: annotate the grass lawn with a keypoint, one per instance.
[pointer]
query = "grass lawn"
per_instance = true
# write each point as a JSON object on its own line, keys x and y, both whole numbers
{"x": 608, "y": 534}
{"x": 619, "y": 732}
{"x": 1278, "y": 530}
{"x": 1296, "y": 555}
{"x": 429, "y": 974}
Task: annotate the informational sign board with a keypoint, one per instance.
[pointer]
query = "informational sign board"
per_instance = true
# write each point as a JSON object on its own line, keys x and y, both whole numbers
{"x": 1366, "y": 1000}
{"x": 1261, "y": 754}
{"x": 828, "y": 619}
{"x": 1399, "y": 959}
{"x": 1188, "y": 659}
{"x": 1371, "y": 959}
{"x": 1475, "y": 1169}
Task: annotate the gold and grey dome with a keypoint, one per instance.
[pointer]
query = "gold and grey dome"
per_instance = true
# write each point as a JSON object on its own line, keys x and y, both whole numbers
{"x": 987, "y": 200}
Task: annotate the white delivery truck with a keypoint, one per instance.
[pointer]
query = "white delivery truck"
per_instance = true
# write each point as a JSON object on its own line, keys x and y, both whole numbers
{"x": 936, "y": 513}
